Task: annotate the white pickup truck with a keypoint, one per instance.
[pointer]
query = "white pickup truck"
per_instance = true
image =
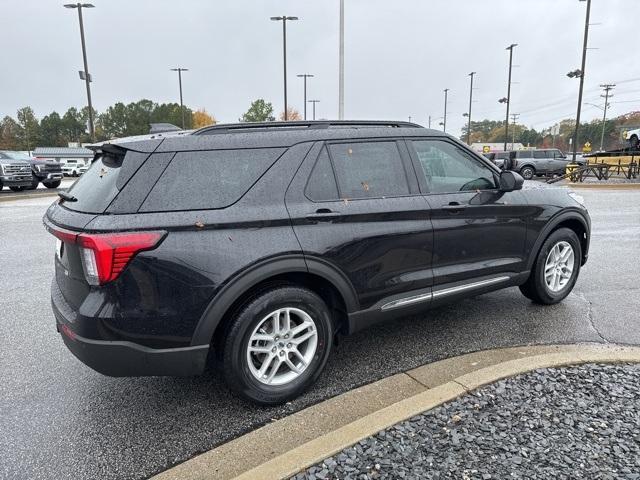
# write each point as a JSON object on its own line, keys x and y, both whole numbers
{"x": 73, "y": 167}
{"x": 632, "y": 137}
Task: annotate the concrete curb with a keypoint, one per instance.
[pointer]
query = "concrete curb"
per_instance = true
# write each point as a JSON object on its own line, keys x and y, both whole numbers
{"x": 259, "y": 455}
{"x": 604, "y": 186}
{"x": 13, "y": 198}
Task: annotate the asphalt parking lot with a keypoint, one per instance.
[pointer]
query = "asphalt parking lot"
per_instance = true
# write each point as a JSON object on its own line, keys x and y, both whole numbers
{"x": 62, "y": 420}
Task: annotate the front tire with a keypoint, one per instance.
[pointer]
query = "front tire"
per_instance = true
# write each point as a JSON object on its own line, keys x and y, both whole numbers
{"x": 55, "y": 184}
{"x": 527, "y": 172}
{"x": 277, "y": 345}
{"x": 556, "y": 268}
{"x": 16, "y": 189}
{"x": 633, "y": 143}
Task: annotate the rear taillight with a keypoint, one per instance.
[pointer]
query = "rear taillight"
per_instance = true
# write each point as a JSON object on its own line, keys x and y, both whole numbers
{"x": 105, "y": 255}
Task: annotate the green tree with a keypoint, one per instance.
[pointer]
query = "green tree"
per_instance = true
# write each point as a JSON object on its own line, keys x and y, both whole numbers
{"x": 259, "y": 111}
{"x": 170, "y": 113}
{"x": 9, "y": 132}
{"x": 29, "y": 126}
{"x": 51, "y": 131}
{"x": 113, "y": 122}
{"x": 73, "y": 127}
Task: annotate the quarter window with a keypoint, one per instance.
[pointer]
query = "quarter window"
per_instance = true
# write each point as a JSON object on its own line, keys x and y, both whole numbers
{"x": 322, "y": 182}
{"x": 369, "y": 169}
{"x": 539, "y": 154}
{"x": 447, "y": 168}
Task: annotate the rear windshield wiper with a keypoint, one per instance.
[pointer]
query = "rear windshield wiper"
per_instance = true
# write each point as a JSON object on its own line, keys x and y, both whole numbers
{"x": 68, "y": 197}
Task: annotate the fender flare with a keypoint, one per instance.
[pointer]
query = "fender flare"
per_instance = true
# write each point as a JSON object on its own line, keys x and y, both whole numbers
{"x": 550, "y": 227}
{"x": 245, "y": 280}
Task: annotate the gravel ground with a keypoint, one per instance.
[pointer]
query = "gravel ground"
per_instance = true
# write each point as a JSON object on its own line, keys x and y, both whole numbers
{"x": 575, "y": 422}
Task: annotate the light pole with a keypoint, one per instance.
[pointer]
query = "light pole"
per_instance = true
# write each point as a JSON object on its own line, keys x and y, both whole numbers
{"x": 180, "y": 70}
{"x": 313, "y": 102}
{"x": 607, "y": 87}
{"x": 341, "y": 65}
{"x": 444, "y": 122}
{"x": 305, "y": 76}
{"x": 469, "y": 114}
{"x": 85, "y": 73}
{"x": 508, "y": 99}
{"x": 284, "y": 19}
{"x": 580, "y": 73}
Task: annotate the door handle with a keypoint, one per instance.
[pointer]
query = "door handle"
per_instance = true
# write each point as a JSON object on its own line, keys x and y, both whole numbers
{"x": 454, "y": 207}
{"x": 323, "y": 215}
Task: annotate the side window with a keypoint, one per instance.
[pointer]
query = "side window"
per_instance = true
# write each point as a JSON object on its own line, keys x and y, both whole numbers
{"x": 447, "y": 168}
{"x": 322, "y": 182}
{"x": 539, "y": 154}
{"x": 369, "y": 169}
{"x": 524, "y": 154}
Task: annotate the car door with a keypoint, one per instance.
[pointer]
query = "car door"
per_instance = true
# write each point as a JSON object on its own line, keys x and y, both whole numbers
{"x": 542, "y": 162}
{"x": 356, "y": 207}
{"x": 479, "y": 231}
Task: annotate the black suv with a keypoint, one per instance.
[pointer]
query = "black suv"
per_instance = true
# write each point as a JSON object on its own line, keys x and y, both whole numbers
{"x": 256, "y": 244}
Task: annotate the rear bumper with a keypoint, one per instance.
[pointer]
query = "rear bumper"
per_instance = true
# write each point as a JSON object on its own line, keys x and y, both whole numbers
{"x": 126, "y": 359}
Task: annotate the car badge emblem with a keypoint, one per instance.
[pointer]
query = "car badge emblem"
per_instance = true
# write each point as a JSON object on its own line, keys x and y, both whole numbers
{"x": 103, "y": 172}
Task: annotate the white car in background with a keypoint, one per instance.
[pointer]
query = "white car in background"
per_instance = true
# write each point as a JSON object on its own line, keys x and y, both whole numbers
{"x": 74, "y": 167}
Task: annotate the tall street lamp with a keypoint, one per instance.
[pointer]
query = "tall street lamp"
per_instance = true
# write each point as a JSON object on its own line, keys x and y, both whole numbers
{"x": 284, "y": 19}
{"x": 85, "y": 74}
{"x": 305, "y": 76}
{"x": 313, "y": 102}
{"x": 580, "y": 73}
{"x": 180, "y": 70}
{"x": 469, "y": 114}
{"x": 444, "y": 122}
{"x": 508, "y": 99}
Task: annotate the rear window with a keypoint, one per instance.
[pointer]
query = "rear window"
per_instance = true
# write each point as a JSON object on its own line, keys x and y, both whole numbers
{"x": 208, "y": 179}
{"x": 96, "y": 188}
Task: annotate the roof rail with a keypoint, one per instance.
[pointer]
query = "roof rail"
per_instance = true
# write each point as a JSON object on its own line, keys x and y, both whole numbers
{"x": 301, "y": 125}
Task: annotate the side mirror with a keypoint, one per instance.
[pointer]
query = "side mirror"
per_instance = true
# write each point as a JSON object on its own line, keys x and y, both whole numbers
{"x": 510, "y": 181}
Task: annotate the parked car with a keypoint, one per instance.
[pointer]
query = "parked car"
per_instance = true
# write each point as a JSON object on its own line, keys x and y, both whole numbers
{"x": 539, "y": 162}
{"x": 73, "y": 167}
{"x": 254, "y": 244}
{"x": 14, "y": 173}
{"x": 498, "y": 159}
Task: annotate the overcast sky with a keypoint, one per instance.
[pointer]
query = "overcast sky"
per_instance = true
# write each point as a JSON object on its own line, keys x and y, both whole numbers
{"x": 399, "y": 56}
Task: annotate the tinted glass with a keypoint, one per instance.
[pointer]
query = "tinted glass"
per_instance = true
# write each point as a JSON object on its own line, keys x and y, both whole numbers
{"x": 96, "y": 188}
{"x": 208, "y": 179}
{"x": 524, "y": 154}
{"x": 322, "y": 181}
{"x": 539, "y": 154}
{"x": 369, "y": 169}
{"x": 447, "y": 168}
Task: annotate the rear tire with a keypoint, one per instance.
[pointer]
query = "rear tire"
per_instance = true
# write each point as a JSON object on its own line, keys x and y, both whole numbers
{"x": 527, "y": 172}
{"x": 259, "y": 360}
{"x": 552, "y": 277}
{"x": 633, "y": 143}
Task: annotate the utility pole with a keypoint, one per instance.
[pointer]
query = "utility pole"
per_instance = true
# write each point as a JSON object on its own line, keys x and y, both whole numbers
{"x": 514, "y": 117}
{"x": 313, "y": 102}
{"x": 469, "y": 114}
{"x": 429, "y": 121}
{"x": 444, "y": 125}
{"x": 584, "y": 60}
{"x": 85, "y": 75}
{"x": 180, "y": 70}
{"x": 305, "y": 76}
{"x": 607, "y": 87}
{"x": 341, "y": 65}
{"x": 284, "y": 19}
{"x": 506, "y": 122}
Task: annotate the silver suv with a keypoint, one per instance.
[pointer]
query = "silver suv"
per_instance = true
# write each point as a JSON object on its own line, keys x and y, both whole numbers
{"x": 544, "y": 161}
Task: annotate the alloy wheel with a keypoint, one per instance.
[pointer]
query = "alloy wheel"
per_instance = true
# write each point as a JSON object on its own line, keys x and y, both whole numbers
{"x": 558, "y": 267}
{"x": 282, "y": 346}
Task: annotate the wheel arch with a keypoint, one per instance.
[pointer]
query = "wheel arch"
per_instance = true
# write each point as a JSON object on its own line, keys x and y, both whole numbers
{"x": 316, "y": 275}
{"x": 572, "y": 220}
